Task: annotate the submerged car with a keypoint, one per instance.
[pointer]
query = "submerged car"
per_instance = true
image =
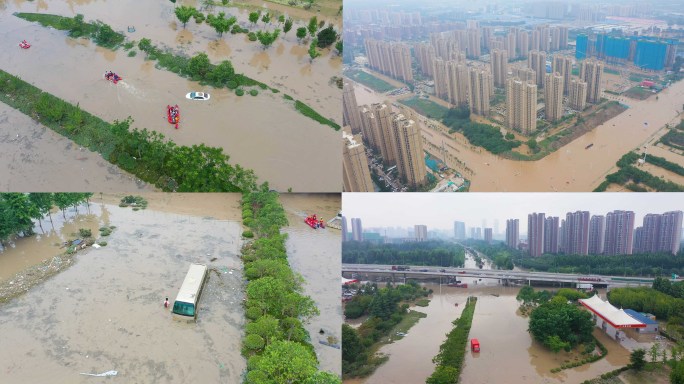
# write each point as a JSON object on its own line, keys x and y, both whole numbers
{"x": 197, "y": 96}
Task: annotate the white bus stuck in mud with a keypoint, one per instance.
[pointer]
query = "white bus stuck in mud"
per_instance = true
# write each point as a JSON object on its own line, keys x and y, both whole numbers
{"x": 185, "y": 306}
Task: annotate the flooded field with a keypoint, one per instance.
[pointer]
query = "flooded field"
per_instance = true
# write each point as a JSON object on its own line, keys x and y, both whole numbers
{"x": 105, "y": 312}
{"x": 508, "y": 355}
{"x": 264, "y": 133}
{"x": 316, "y": 255}
{"x": 570, "y": 169}
{"x": 36, "y": 159}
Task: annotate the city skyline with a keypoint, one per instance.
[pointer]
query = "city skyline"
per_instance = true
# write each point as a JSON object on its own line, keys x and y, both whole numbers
{"x": 438, "y": 211}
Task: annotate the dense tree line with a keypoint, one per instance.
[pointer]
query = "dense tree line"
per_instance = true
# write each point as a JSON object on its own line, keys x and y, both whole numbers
{"x": 486, "y": 136}
{"x": 559, "y": 325}
{"x": 276, "y": 344}
{"x": 19, "y": 210}
{"x": 434, "y": 252}
{"x": 627, "y": 265}
{"x": 451, "y": 354}
{"x": 647, "y": 300}
{"x": 385, "y": 311}
{"x": 674, "y": 289}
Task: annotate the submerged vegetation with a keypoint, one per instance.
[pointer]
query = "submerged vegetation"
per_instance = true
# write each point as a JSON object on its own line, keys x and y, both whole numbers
{"x": 146, "y": 154}
{"x": 277, "y": 346}
{"x": 628, "y": 174}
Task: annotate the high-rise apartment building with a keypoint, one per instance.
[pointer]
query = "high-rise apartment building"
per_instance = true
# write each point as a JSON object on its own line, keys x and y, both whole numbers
{"x": 350, "y": 110}
{"x": 355, "y": 170}
{"x": 597, "y": 234}
{"x": 425, "y": 53}
{"x": 576, "y": 237}
{"x": 521, "y": 106}
{"x": 440, "y": 76}
{"x": 563, "y": 65}
{"x": 499, "y": 67}
{"x": 357, "y": 229}
{"x": 459, "y": 230}
{"x": 392, "y": 59}
{"x": 512, "y": 233}
{"x": 408, "y": 144}
{"x": 525, "y": 74}
{"x": 535, "y": 234}
{"x": 660, "y": 233}
{"x": 551, "y": 228}
{"x": 479, "y": 91}
{"x": 591, "y": 72}
{"x": 473, "y": 36}
{"x": 619, "y": 231}
{"x": 553, "y": 97}
{"x": 577, "y": 94}
{"x": 523, "y": 43}
{"x": 536, "y": 60}
{"x": 420, "y": 232}
{"x": 457, "y": 75}
{"x": 488, "y": 235}
{"x": 381, "y": 124}
{"x": 345, "y": 230}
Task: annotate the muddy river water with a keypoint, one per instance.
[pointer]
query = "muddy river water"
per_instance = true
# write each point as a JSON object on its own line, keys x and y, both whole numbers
{"x": 264, "y": 133}
{"x": 508, "y": 354}
{"x": 572, "y": 168}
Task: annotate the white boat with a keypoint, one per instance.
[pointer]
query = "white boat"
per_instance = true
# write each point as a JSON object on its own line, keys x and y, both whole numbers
{"x": 198, "y": 96}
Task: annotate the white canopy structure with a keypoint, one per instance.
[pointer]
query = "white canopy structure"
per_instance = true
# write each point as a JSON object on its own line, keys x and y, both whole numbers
{"x": 617, "y": 318}
{"x": 349, "y": 281}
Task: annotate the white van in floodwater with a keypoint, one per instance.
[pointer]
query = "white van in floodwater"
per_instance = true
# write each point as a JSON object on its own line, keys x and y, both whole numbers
{"x": 185, "y": 306}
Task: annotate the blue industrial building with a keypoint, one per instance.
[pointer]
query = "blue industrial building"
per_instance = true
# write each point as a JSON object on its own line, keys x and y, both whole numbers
{"x": 650, "y": 55}
{"x": 645, "y": 52}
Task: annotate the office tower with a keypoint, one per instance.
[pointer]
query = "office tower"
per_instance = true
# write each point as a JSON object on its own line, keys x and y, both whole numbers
{"x": 576, "y": 240}
{"x": 479, "y": 91}
{"x": 457, "y": 75}
{"x": 488, "y": 235}
{"x": 619, "y": 231}
{"x": 440, "y": 76}
{"x": 499, "y": 67}
{"x": 350, "y": 109}
{"x": 563, "y": 65}
{"x": 591, "y": 72}
{"x": 408, "y": 144}
{"x": 521, "y": 106}
{"x": 551, "y": 235}
{"x": 597, "y": 234}
{"x": 536, "y": 60}
{"x": 459, "y": 230}
{"x": 512, "y": 233}
{"x": 577, "y": 95}
{"x": 420, "y": 232}
{"x": 535, "y": 234}
{"x": 473, "y": 50}
{"x": 357, "y": 229}
{"x": 553, "y": 97}
{"x": 355, "y": 170}
{"x": 345, "y": 235}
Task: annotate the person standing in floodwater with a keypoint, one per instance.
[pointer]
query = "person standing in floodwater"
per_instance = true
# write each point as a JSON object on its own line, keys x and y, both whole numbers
{"x": 166, "y": 303}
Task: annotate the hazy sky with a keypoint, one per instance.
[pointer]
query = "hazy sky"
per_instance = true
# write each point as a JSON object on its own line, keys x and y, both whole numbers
{"x": 440, "y": 210}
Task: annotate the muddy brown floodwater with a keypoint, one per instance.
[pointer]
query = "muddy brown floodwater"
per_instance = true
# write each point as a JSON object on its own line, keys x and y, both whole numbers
{"x": 36, "y": 159}
{"x": 571, "y": 168}
{"x": 508, "y": 352}
{"x": 105, "y": 312}
{"x": 264, "y": 133}
{"x": 316, "y": 255}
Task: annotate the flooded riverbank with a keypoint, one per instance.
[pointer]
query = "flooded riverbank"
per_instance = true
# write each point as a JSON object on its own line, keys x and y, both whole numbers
{"x": 316, "y": 255}
{"x": 508, "y": 354}
{"x": 572, "y": 168}
{"x": 37, "y": 159}
{"x": 105, "y": 312}
{"x": 264, "y": 133}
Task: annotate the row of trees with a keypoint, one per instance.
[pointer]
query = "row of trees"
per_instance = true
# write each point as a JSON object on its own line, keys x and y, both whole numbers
{"x": 655, "y": 264}
{"x": 451, "y": 354}
{"x": 276, "y": 343}
{"x": 19, "y": 210}
{"x": 434, "y": 252}
{"x": 486, "y": 136}
{"x": 385, "y": 311}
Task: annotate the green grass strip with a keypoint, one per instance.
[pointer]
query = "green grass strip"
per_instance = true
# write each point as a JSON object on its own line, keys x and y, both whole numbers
{"x": 452, "y": 352}
{"x": 310, "y": 113}
{"x": 143, "y": 153}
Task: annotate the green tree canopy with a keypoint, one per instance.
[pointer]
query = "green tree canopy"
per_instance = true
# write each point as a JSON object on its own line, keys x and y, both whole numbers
{"x": 301, "y": 33}
{"x": 326, "y": 37}
{"x": 184, "y": 13}
{"x": 313, "y": 26}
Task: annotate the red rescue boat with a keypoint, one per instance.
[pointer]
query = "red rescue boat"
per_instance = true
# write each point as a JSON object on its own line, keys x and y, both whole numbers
{"x": 173, "y": 114}
{"x": 314, "y": 222}
{"x": 24, "y": 44}
{"x": 113, "y": 77}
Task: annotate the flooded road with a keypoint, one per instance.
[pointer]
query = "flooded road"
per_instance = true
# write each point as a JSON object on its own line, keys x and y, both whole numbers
{"x": 570, "y": 169}
{"x": 316, "y": 255}
{"x": 36, "y": 159}
{"x": 264, "y": 133}
{"x": 508, "y": 354}
{"x": 105, "y": 312}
